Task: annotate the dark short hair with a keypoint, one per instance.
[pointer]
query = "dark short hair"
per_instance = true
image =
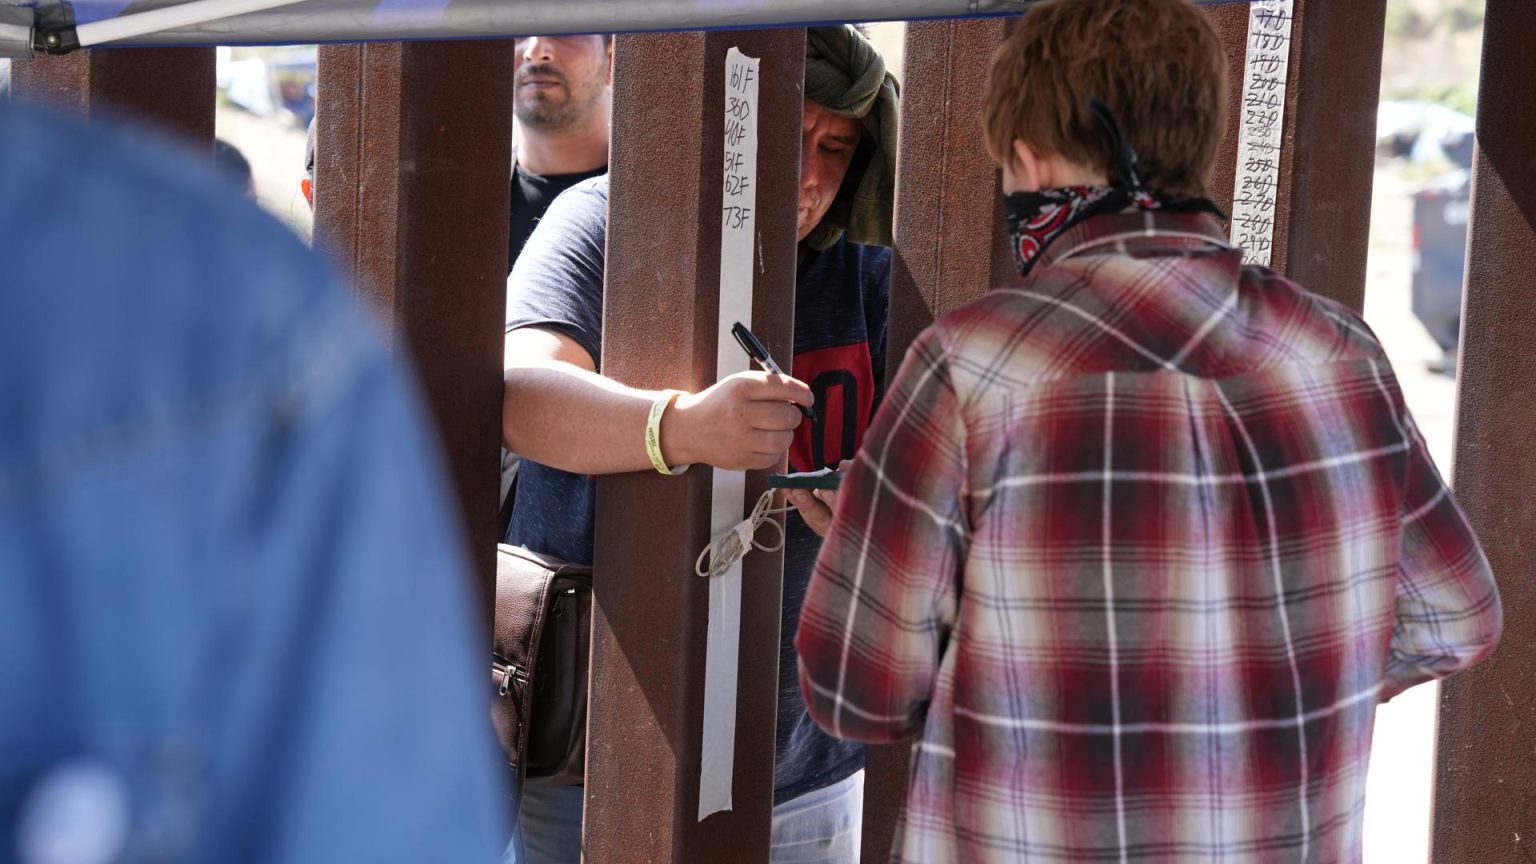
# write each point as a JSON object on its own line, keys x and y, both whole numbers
{"x": 1157, "y": 64}
{"x": 232, "y": 162}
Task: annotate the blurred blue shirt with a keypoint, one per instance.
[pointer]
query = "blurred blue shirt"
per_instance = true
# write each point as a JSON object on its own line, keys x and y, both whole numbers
{"x": 228, "y": 582}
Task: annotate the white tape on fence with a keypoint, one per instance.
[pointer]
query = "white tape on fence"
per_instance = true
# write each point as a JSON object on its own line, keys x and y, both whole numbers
{"x": 738, "y": 226}
{"x": 1261, "y": 130}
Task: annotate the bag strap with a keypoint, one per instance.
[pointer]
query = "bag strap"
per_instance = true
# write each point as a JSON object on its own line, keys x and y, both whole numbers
{"x": 506, "y": 507}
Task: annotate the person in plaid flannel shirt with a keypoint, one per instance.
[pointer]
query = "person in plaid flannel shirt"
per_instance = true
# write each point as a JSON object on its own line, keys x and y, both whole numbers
{"x": 1137, "y": 543}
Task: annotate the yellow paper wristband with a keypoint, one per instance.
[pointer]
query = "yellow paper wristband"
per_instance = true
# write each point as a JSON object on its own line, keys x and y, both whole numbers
{"x": 653, "y": 433}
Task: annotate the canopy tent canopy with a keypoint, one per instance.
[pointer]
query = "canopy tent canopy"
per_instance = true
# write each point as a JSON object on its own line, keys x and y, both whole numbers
{"x": 56, "y": 26}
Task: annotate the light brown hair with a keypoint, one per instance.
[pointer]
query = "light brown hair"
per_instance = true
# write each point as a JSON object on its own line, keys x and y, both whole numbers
{"x": 1157, "y": 64}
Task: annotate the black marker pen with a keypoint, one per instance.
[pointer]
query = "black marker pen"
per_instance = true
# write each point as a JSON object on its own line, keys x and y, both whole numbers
{"x": 757, "y": 352}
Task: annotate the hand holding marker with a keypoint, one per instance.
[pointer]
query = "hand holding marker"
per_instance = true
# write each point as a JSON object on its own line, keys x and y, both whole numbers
{"x": 825, "y": 480}
{"x": 758, "y": 353}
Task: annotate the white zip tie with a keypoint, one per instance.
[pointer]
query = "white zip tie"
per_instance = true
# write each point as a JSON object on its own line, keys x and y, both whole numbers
{"x": 731, "y": 546}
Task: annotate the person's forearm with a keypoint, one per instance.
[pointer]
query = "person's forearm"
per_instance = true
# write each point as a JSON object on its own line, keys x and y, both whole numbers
{"x": 578, "y": 421}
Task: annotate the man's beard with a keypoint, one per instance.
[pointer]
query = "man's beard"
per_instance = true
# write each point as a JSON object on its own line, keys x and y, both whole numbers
{"x": 542, "y": 111}
{"x": 543, "y": 108}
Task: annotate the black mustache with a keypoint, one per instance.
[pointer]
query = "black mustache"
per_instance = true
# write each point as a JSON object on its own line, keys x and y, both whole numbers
{"x": 543, "y": 70}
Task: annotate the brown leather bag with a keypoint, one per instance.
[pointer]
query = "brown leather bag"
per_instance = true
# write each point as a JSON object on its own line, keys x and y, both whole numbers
{"x": 541, "y": 648}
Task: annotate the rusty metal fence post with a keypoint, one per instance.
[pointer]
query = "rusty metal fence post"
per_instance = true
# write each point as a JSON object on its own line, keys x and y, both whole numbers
{"x": 1324, "y": 230}
{"x": 413, "y": 171}
{"x": 169, "y": 87}
{"x": 949, "y": 213}
{"x": 1485, "y": 772}
{"x": 1322, "y": 224}
{"x": 659, "y": 320}
{"x": 949, "y": 250}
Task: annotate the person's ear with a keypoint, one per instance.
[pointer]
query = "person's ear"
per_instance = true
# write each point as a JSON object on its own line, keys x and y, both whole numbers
{"x": 610, "y": 62}
{"x": 1021, "y": 169}
{"x": 1033, "y": 170}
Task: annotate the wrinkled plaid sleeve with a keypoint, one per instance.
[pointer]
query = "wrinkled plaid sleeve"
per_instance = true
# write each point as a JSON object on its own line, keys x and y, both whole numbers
{"x": 1448, "y": 615}
{"x": 882, "y": 599}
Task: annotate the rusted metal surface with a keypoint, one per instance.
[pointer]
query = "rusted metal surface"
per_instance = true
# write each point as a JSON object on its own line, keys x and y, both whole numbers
{"x": 887, "y": 769}
{"x": 172, "y": 88}
{"x": 1322, "y": 220}
{"x": 949, "y": 212}
{"x": 412, "y": 172}
{"x": 357, "y": 165}
{"x": 659, "y": 322}
{"x": 1323, "y": 224}
{"x": 1485, "y": 773}
{"x": 63, "y": 80}
{"x": 950, "y": 249}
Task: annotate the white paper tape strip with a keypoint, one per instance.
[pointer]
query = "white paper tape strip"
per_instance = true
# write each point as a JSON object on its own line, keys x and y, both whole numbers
{"x": 1261, "y": 129}
{"x": 738, "y": 226}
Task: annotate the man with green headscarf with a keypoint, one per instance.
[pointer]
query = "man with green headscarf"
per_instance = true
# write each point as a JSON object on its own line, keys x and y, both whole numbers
{"x": 554, "y": 332}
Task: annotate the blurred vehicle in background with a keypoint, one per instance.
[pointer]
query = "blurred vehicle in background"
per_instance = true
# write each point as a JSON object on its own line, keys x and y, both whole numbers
{"x": 1424, "y": 132}
{"x": 1435, "y": 137}
{"x": 1440, "y": 215}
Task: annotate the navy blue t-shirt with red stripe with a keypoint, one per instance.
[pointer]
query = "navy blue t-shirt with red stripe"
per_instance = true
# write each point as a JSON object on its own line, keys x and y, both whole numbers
{"x": 841, "y": 301}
